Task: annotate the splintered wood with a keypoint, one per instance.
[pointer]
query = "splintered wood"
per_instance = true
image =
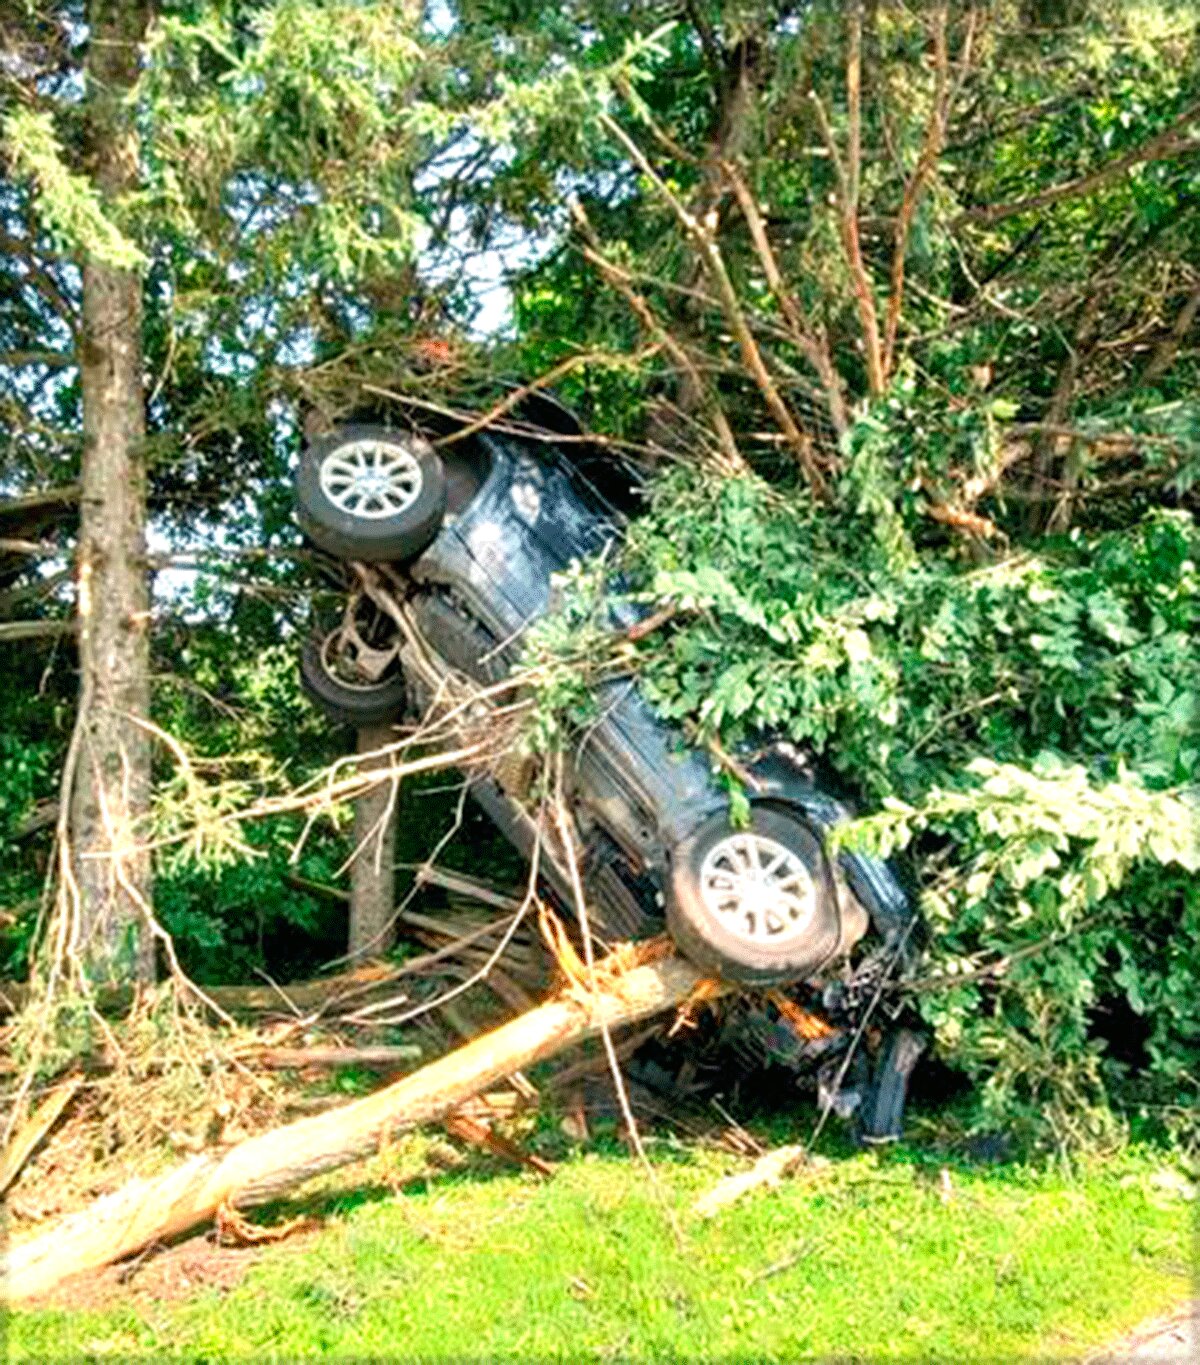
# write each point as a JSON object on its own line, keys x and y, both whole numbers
{"x": 265, "y": 1167}
{"x": 767, "y": 1170}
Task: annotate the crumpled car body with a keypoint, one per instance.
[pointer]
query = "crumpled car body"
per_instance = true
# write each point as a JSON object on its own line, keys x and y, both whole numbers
{"x": 497, "y": 517}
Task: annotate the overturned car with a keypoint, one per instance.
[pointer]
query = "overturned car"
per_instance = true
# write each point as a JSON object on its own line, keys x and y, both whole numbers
{"x": 461, "y": 541}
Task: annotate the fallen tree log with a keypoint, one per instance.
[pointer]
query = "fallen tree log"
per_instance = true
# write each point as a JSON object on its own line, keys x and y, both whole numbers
{"x": 265, "y": 1167}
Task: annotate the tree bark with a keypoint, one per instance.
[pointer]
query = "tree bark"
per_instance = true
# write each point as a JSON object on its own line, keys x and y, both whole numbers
{"x": 266, "y": 1167}
{"x": 373, "y": 871}
{"x": 735, "y": 72}
{"x": 111, "y": 794}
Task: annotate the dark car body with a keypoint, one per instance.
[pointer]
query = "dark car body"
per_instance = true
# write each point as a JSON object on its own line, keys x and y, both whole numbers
{"x": 517, "y": 509}
{"x": 635, "y": 778}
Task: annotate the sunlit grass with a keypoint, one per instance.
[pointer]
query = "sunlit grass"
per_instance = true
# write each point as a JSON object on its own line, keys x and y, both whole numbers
{"x": 873, "y": 1257}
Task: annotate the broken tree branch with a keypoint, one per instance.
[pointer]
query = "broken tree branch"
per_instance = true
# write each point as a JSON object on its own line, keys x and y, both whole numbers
{"x": 26, "y": 1141}
{"x": 767, "y": 1170}
{"x": 34, "y": 630}
{"x": 265, "y": 1167}
{"x": 1165, "y": 352}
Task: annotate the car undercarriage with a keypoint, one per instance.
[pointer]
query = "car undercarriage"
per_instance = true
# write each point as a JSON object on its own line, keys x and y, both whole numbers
{"x": 450, "y": 554}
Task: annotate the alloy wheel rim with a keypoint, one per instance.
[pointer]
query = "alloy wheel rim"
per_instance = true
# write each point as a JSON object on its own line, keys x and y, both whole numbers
{"x": 338, "y": 660}
{"x": 759, "y": 890}
{"x": 371, "y": 479}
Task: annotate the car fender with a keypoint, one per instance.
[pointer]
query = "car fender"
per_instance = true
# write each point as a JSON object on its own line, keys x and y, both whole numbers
{"x": 787, "y": 776}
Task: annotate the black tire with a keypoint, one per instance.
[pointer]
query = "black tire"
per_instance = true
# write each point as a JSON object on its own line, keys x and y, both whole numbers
{"x": 375, "y": 538}
{"x": 883, "y": 1109}
{"x": 703, "y": 933}
{"x": 344, "y": 704}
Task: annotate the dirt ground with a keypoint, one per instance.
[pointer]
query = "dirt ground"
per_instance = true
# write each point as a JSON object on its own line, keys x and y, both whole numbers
{"x": 164, "y": 1275}
{"x": 1170, "y": 1340}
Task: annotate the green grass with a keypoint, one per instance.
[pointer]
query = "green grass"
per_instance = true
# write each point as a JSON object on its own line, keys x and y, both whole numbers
{"x": 1010, "y": 1263}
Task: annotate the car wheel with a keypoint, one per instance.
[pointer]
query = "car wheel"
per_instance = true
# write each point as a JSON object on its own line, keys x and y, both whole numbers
{"x": 756, "y": 905}
{"x": 371, "y": 494}
{"x": 352, "y": 683}
{"x": 883, "y": 1112}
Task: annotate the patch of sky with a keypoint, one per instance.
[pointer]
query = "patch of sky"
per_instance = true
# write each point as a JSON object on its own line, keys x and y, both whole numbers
{"x": 299, "y": 349}
{"x": 259, "y": 203}
{"x": 440, "y": 19}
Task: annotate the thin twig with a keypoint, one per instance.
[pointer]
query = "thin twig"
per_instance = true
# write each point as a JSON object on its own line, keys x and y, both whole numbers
{"x": 811, "y": 343}
{"x": 621, "y": 282}
{"x": 517, "y": 396}
{"x": 1170, "y": 142}
{"x": 567, "y": 839}
{"x": 710, "y": 252}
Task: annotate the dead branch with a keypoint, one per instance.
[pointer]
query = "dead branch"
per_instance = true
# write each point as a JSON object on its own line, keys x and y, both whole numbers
{"x": 660, "y": 134}
{"x": 35, "y": 630}
{"x": 15, "y": 509}
{"x": 478, "y": 1132}
{"x": 621, "y": 282}
{"x": 518, "y": 395}
{"x": 38, "y": 548}
{"x": 512, "y": 426}
{"x": 234, "y": 1230}
{"x": 960, "y": 519}
{"x": 471, "y": 887}
{"x": 298, "y": 1058}
{"x": 323, "y": 995}
{"x": 767, "y": 1170}
{"x": 813, "y": 344}
{"x": 1104, "y": 442}
{"x": 266, "y": 1167}
{"x": 702, "y": 234}
{"x": 1165, "y": 352}
{"x": 649, "y": 624}
{"x": 1063, "y": 398}
{"x": 25, "y": 1141}
{"x": 589, "y": 1066}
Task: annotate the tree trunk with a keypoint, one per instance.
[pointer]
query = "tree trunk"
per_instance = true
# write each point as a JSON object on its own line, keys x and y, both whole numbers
{"x": 735, "y": 74}
{"x": 373, "y": 871}
{"x": 266, "y": 1167}
{"x": 111, "y": 793}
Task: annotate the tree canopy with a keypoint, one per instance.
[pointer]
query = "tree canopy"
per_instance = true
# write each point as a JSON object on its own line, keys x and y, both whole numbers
{"x": 897, "y": 304}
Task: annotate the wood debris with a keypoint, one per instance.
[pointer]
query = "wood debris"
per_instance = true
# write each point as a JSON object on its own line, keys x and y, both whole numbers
{"x": 261, "y": 1169}
{"x": 767, "y": 1170}
{"x": 480, "y": 1133}
{"x": 234, "y": 1229}
{"x": 29, "y": 1137}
